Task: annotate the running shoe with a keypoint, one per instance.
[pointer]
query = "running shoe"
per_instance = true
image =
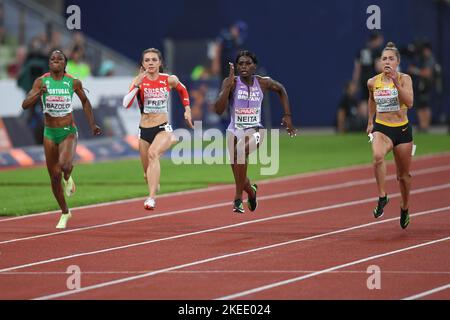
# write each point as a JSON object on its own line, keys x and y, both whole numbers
{"x": 63, "y": 220}
{"x": 404, "y": 218}
{"x": 149, "y": 204}
{"x": 378, "y": 211}
{"x": 69, "y": 186}
{"x": 238, "y": 206}
{"x": 252, "y": 203}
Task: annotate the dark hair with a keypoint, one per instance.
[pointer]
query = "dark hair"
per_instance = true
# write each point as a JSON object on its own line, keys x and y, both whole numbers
{"x": 246, "y": 53}
{"x": 154, "y": 51}
{"x": 391, "y": 46}
{"x": 62, "y": 53}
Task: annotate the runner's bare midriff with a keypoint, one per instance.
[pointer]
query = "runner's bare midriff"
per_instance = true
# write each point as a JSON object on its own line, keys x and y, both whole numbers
{"x": 53, "y": 122}
{"x": 149, "y": 120}
{"x": 393, "y": 117}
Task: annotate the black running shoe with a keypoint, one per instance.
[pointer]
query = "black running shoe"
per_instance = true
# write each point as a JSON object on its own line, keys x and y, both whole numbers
{"x": 404, "y": 218}
{"x": 252, "y": 202}
{"x": 238, "y": 206}
{"x": 378, "y": 211}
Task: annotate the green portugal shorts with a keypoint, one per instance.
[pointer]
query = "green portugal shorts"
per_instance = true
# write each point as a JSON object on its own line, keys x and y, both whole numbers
{"x": 57, "y": 135}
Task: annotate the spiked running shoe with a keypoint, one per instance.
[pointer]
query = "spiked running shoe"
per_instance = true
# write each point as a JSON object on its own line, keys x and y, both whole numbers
{"x": 238, "y": 206}
{"x": 252, "y": 203}
{"x": 63, "y": 220}
{"x": 149, "y": 204}
{"x": 378, "y": 211}
{"x": 404, "y": 218}
{"x": 69, "y": 186}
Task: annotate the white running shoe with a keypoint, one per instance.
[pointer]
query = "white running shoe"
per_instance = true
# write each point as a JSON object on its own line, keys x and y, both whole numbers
{"x": 63, "y": 220}
{"x": 69, "y": 186}
{"x": 149, "y": 204}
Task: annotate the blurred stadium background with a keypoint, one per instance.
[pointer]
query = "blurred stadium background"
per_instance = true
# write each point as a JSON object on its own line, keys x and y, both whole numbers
{"x": 310, "y": 47}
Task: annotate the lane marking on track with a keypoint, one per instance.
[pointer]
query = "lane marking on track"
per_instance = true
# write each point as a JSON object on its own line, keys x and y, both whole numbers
{"x": 222, "y": 204}
{"x": 222, "y": 257}
{"x": 287, "y": 215}
{"x": 427, "y": 293}
{"x": 229, "y": 186}
{"x": 201, "y": 272}
{"x": 314, "y": 274}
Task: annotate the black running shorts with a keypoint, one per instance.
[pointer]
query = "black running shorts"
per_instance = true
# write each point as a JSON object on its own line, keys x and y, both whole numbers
{"x": 398, "y": 135}
{"x": 149, "y": 134}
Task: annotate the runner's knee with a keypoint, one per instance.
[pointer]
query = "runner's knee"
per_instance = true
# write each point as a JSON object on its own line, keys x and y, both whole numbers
{"x": 403, "y": 177}
{"x": 153, "y": 155}
{"x": 55, "y": 175}
{"x": 66, "y": 166}
{"x": 378, "y": 158}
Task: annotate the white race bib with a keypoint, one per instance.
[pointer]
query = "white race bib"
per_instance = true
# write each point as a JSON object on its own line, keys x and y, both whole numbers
{"x": 155, "y": 106}
{"x": 386, "y": 100}
{"x": 247, "y": 118}
{"x": 156, "y": 100}
{"x": 58, "y": 106}
{"x": 167, "y": 128}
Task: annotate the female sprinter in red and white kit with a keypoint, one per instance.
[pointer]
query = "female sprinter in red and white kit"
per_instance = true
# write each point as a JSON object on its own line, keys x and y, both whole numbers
{"x": 152, "y": 87}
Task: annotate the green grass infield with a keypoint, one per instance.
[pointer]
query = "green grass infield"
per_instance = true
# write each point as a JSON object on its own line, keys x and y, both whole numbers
{"x": 27, "y": 190}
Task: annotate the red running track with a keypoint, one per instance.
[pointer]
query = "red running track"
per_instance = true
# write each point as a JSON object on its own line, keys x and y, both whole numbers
{"x": 312, "y": 237}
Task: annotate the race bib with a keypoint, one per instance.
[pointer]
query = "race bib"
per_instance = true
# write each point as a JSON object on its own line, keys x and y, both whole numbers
{"x": 155, "y": 106}
{"x": 167, "y": 128}
{"x": 387, "y": 100}
{"x": 247, "y": 118}
{"x": 58, "y": 106}
{"x": 257, "y": 136}
{"x": 155, "y": 100}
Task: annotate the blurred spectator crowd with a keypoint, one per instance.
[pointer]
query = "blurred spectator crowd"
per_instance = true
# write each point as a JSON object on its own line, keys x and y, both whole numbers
{"x": 417, "y": 60}
{"x": 26, "y": 61}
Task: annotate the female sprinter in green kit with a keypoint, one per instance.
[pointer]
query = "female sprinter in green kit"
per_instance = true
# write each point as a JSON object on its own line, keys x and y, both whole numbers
{"x": 56, "y": 90}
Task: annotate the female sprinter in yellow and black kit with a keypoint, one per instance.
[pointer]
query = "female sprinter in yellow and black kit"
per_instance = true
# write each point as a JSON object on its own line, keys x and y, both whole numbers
{"x": 390, "y": 97}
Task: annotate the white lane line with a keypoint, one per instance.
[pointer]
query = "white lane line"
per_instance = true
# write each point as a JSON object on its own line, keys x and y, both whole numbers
{"x": 240, "y": 253}
{"x": 427, "y": 293}
{"x": 222, "y": 204}
{"x": 314, "y": 274}
{"x": 349, "y": 168}
{"x": 287, "y": 215}
{"x": 103, "y": 204}
{"x": 46, "y": 273}
{"x": 229, "y": 186}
